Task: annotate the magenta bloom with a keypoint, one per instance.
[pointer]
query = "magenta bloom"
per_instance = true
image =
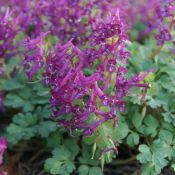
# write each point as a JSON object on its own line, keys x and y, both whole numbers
{"x": 7, "y": 34}
{"x": 76, "y": 96}
{"x": 34, "y": 54}
{"x": 3, "y": 147}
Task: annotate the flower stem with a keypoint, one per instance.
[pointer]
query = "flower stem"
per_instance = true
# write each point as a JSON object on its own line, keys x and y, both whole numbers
{"x": 124, "y": 161}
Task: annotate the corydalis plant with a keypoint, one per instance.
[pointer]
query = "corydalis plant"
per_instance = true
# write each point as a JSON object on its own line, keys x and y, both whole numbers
{"x": 81, "y": 100}
{"x": 34, "y": 55}
{"x": 7, "y": 35}
{"x": 158, "y": 17}
{"x": 71, "y": 19}
{"x": 8, "y": 32}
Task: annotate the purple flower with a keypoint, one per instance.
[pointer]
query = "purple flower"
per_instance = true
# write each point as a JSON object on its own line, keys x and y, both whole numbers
{"x": 163, "y": 36}
{"x": 34, "y": 54}
{"x": 78, "y": 99}
{"x": 8, "y": 32}
{"x": 3, "y": 147}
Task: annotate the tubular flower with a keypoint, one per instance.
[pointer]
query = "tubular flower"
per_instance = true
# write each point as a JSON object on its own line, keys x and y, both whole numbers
{"x": 79, "y": 100}
{"x": 7, "y": 35}
{"x": 34, "y": 54}
{"x": 158, "y": 16}
{"x": 8, "y": 31}
{"x": 164, "y": 11}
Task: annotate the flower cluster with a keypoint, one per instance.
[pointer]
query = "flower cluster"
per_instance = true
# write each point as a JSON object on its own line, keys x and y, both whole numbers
{"x": 164, "y": 10}
{"x": 7, "y": 35}
{"x": 157, "y": 16}
{"x": 91, "y": 56}
{"x": 80, "y": 100}
{"x": 33, "y": 57}
{"x": 65, "y": 18}
{"x": 71, "y": 19}
{"x": 28, "y": 15}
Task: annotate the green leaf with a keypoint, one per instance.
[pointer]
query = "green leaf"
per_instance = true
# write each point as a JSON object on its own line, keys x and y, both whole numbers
{"x": 161, "y": 149}
{"x": 137, "y": 120}
{"x": 83, "y": 170}
{"x": 121, "y": 131}
{"x": 43, "y": 112}
{"x": 46, "y": 127}
{"x": 25, "y": 120}
{"x": 27, "y": 107}
{"x": 159, "y": 163}
{"x": 16, "y": 133}
{"x": 86, "y": 156}
{"x": 61, "y": 153}
{"x": 70, "y": 167}
{"x": 149, "y": 169}
{"x": 14, "y": 101}
{"x": 152, "y": 125}
{"x": 54, "y": 139}
{"x": 133, "y": 139}
{"x": 53, "y": 166}
{"x": 154, "y": 157}
{"x": 168, "y": 117}
{"x": 104, "y": 131}
{"x": 173, "y": 167}
{"x": 95, "y": 171}
{"x": 12, "y": 85}
{"x": 72, "y": 146}
{"x": 40, "y": 89}
{"x": 27, "y": 93}
{"x": 145, "y": 155}
{"x": 90, "y": 140}
{"x": 166, "y": 136}
{"x": 60, "y": 163}
{"x": 155, "y": 103}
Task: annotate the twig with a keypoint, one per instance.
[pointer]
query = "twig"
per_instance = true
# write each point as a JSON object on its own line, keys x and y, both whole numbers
{"x": 36, "y": 155}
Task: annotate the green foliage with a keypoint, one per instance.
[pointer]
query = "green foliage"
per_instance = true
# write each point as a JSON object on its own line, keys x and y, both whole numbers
{"x": 85, "y": 170}
{"x": 60, "y": 163}
{"x": 29, "y": 102}
{"x": 154, "y": 157}
{"x": 133, "y": 139}
{"x": 155, "y": 123}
